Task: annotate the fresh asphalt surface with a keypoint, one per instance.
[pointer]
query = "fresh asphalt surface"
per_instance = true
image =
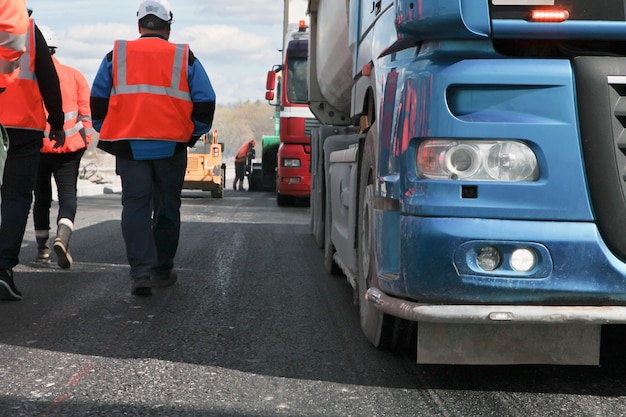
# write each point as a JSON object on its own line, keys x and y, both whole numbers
{"x": 253, "y": 327}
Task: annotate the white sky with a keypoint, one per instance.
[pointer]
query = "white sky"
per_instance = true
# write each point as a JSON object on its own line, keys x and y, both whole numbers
{"x": 237, "y": 41}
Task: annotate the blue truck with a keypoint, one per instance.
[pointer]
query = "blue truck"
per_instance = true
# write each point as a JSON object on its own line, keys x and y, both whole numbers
{"x": 468, "y": 178}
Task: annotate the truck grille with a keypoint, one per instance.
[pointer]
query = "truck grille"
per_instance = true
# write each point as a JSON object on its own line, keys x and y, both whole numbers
{"x": 601, "y": 94}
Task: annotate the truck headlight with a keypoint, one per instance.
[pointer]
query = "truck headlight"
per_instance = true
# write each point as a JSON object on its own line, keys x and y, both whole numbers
{"x": 477, "y": 160}
{"x": 291, "y": 163}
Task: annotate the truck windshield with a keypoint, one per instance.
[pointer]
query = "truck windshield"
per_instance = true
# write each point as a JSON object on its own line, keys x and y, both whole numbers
{"x": 297, "y": 87}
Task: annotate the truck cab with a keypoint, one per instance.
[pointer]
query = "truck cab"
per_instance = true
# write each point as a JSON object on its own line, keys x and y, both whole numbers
{"x": 293, "y": 177}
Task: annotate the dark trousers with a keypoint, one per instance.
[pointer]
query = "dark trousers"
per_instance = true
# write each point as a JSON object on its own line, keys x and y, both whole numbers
{"x": 19, "y": 177}
{"x": 64, "y": 167}
{"x": 240, "y": 170}
{"x": 151, "y": 212}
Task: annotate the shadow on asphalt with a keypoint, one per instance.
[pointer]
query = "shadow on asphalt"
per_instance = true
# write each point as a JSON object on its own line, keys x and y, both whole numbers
{"x": 251, "y": 313}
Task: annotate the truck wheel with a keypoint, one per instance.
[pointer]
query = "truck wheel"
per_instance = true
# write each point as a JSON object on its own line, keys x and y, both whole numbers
{"x": 318, "y": 190}
{"x": 223, "y": 175}
{"x": 217, "y": 193}
{"x": 329, "y": 249}
{"x": 283, "y": 200}
{"x": 382, "y": 330}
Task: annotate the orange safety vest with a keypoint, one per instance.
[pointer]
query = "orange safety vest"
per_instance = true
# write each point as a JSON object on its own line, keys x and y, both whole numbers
{"x": 150, "y": 98}
{"x": 21, "y": 104}
{"x": 13, "y": 28}
{"x": 75, "y": 94}
{"x": 243, "y": 152}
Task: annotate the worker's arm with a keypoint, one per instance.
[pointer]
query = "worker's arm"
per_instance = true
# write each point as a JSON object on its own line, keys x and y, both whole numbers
{"x": 84, "y": 110}
{"x": 48, "y": 81}
{"x": 101, "y": 91}
{"x": 202, "y": 96}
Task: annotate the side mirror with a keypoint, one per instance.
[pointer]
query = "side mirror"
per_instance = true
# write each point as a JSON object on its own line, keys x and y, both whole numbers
{"x": 270, "y": 84}
{"x": 269, "y": 95}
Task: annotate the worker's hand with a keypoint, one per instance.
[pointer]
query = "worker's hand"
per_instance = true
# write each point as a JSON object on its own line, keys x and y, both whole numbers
{"x": 58, "y": 136}
{"x": 193, "y": 140}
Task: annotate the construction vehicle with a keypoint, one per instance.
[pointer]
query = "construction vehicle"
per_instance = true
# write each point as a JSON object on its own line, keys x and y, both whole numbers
{"x": 469, "y": 177}
{"x": 206, "y": 171}
{"x": 296, "y": 120}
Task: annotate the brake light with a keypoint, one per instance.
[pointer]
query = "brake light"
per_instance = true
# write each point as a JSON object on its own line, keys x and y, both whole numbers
{"x": 216, "y": 151}
{"x": 549, "y": 15}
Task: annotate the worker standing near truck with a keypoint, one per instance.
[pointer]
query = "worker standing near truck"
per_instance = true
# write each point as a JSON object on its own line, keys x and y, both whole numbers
{"x": 63, "y": 162}
{"x": 151, "y": 99}
{"x": 240, "y": 163}
{"x": 23, "y": 114}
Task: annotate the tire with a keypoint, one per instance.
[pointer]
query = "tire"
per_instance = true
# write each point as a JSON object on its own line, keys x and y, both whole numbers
{"x": 382, "y": 330}
{"x": 318, "y": 214}
{"x": 329, "y": 249}
{"x": 317, "y": 189}
{"x": 217, "y": 193}
{"x": 283, "y": 200}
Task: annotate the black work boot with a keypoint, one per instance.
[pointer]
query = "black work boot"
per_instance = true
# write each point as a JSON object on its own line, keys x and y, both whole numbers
{"x": 43, "y": 248}
{"x": 62, "y": 243}
{"x": 141, "y": 286}
{"x": 8, "y": 290}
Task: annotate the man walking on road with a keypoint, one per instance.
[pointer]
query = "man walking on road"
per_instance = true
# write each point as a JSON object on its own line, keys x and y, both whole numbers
{"x": 22, "y": 113}
{"x": 63, "y": 162}
{"x": 151, "y": 99}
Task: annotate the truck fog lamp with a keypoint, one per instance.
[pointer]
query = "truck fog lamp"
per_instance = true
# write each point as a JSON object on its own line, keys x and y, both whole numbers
{"x": 488, "y": 258}
{"x": 462, "y": 161}
{"x": 512, "y": 161}
{"x": 288, "y": 180}
{"x": 291, "y": 163}
{"x": 523, "y": 260}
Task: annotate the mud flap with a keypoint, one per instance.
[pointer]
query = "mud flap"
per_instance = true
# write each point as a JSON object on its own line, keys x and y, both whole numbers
{"x": 506, "y": 344}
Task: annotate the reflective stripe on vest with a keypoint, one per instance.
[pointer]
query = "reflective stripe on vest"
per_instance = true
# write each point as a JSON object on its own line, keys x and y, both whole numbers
{"x": 172, "y": 91}
{"x": 75, "y": 131}
{"x": 74, "y": 126}
{"x": 13, "y": 29}
{"x": 21, "y": 105}
{"x": 149, "y": 100}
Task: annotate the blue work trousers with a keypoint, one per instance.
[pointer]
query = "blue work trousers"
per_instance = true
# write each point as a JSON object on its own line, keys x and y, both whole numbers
{"x": 151, "y": 202}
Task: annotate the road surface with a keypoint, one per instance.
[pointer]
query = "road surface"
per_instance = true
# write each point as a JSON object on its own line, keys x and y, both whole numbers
{"x": 254, "y": 327}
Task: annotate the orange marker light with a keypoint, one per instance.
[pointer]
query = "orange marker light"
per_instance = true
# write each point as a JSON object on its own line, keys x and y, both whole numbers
{"x": 551, "y": 16}
{"x": 302, "y": 25}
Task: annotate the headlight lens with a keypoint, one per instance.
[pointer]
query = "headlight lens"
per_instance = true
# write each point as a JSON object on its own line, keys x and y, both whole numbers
{"x": 476, "y": 160}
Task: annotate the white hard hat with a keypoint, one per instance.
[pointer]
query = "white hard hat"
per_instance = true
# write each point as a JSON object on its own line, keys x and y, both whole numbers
{"x": 158, "y": 8}
{"x": 50, "y": 36}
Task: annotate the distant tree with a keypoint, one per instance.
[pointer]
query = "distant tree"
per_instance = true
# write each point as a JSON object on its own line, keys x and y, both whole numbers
{"x": 241, "y": 123}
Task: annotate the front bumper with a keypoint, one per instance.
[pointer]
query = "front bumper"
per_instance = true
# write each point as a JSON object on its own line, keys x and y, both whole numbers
{"x": 467, "y": 314}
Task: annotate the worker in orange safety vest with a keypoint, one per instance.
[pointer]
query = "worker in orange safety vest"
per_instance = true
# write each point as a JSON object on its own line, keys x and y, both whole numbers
{"x": 23, "y": 106}
{"x": 62, "y": 162}
{"x": 240, "y": 163}
{"x": 150, "y": 100}
{"x": 13, "y": 28}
